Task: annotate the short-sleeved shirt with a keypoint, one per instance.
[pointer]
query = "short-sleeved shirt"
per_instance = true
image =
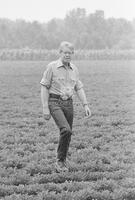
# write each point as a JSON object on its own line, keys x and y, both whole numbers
{"x": 61, "y": 80}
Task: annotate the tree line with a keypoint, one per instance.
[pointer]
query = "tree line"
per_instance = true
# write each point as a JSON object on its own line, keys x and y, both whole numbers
{"x": 86, "y": 31}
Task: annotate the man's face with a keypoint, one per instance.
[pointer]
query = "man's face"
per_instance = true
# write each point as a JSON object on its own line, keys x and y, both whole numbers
{"x": 66, "y": 55}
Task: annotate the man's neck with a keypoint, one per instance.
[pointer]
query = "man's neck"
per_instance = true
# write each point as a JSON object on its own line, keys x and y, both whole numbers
{"x": 66, "y": 64}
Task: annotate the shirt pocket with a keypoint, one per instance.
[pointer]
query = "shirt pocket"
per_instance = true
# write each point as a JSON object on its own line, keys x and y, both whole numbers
{"x": 61, "y": 79}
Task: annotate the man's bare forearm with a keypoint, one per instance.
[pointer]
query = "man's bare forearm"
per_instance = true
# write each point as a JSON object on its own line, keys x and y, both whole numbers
{"x": 44, "y": 96}
{"x": 81, "y": 95}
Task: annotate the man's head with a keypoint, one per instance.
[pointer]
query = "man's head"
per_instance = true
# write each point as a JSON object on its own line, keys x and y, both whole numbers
{"x": 66, "y": 51}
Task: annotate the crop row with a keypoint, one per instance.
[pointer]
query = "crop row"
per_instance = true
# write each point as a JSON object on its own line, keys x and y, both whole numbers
{"x": 29, "y": 54}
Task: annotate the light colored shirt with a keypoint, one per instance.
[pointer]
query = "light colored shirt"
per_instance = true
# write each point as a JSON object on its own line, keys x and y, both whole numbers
{"x": 60, "y": 79}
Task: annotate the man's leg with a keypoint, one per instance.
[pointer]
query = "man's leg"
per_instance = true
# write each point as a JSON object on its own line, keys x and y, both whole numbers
{"x": 65, "y": 131}
{"x": 68, "y": 112}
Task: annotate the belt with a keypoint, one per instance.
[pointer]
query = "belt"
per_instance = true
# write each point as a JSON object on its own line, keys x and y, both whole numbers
{"x": 57, "y": 96}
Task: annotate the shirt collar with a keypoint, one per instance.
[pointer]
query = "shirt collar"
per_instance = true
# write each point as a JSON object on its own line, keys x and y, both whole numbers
{"x": 60, "y": 64}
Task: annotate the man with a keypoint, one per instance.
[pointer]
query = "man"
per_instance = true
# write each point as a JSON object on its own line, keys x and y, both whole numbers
{"x": 60, "y": 80}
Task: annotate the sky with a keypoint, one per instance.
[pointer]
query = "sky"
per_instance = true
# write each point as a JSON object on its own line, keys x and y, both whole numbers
{"x": 45, "y": 10}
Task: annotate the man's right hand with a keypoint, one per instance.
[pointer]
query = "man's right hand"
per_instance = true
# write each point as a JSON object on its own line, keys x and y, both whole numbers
{"x": 46, "y": 113}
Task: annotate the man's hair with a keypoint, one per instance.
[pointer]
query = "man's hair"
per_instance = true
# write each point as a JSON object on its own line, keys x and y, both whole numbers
{"x": 66, "y": 44}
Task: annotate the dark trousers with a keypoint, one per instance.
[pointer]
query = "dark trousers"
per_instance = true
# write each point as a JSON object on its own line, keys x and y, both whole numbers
{"x": 62, "y": 113}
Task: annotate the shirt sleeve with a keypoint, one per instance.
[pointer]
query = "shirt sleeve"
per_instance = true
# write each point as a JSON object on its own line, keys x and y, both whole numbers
{"x": 78, "y": 84}
{"x": 47, "y": 77}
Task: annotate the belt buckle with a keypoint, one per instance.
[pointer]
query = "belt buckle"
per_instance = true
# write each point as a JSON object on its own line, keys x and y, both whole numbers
{"x": 64, "y": 97}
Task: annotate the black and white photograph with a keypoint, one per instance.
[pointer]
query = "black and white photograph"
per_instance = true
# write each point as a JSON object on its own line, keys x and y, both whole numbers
{"x": 67, "y": 100}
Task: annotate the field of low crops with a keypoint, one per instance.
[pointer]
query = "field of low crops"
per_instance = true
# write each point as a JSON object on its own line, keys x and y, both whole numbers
{"x": 102, "y": 151}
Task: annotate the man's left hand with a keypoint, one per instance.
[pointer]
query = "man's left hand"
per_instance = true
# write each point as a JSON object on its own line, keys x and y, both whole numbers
{"x": 87, "y": 111}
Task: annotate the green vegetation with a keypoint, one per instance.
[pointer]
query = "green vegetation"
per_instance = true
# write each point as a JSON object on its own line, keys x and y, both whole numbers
{"x": 45, "y": 55}
{"x": 86, "y": 31}
{"x": 101, "y": 155}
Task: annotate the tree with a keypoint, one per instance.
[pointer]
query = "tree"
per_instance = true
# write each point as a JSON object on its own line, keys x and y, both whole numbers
{"x": 75, "y": 23}
{"x": 92, "y": 31}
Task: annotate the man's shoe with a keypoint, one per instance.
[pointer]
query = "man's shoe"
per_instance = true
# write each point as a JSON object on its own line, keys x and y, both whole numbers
{"x": 60, "y": 166}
